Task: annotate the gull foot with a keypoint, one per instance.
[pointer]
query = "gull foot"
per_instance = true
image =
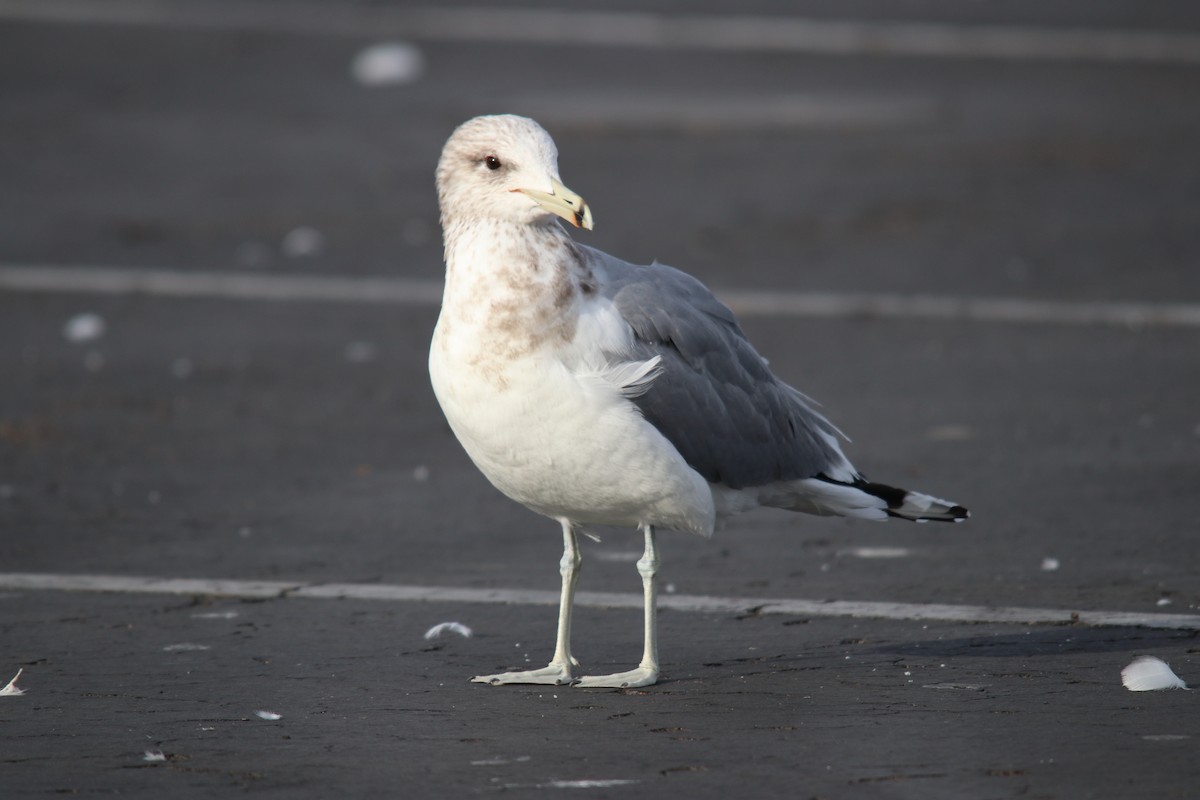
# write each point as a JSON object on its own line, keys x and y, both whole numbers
{"x": 554, "y": 675}
{"x": 642, "y": 676}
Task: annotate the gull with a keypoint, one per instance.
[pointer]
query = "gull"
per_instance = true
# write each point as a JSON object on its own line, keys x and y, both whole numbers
{"x": 598, "y": 392}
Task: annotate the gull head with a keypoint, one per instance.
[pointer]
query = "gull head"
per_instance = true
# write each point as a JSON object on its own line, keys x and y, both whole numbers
{"x": 505, "y": 168}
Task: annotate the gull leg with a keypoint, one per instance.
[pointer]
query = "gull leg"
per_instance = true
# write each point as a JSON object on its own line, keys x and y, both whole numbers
{"x": 646, "y": 672}
{"x": 558, "y": 671}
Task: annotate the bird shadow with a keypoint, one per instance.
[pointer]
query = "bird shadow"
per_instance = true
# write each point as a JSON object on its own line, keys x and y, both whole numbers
{"x": 1045, "y": 642}
{"x": 1048, "y": 641}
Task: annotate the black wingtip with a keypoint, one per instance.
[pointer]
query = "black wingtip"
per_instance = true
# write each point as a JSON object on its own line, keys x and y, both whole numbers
{"x": 925, "y": 508}
{"x": 954, "y": 514}
{"x": 905, "y": 504}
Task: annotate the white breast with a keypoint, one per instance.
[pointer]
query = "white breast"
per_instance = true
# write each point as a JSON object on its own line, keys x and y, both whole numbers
{"x": 561, "y": 440}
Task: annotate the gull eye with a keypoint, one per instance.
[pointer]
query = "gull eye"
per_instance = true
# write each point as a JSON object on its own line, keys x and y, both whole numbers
{"x": 492, "y": 162}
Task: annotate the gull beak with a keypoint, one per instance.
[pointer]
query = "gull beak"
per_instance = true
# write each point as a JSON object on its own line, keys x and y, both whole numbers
{"x": 562, "y": 202}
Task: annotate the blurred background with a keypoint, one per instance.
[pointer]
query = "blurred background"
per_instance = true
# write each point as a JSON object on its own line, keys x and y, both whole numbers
{"x": 980, "y": 150}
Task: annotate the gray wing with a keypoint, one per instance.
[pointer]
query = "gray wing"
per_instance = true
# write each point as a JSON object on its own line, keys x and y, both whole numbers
{"x": 716, "y": 400}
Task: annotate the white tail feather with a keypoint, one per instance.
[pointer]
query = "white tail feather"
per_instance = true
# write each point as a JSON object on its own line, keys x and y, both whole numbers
{"x": 859, "y": 499}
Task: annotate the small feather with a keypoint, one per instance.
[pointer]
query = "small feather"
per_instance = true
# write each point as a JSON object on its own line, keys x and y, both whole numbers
{"x": 11, "y": 689}
{"x": 1147, "y": 674}
{"x": 268, "y": 715}
{"x": 452, "y": 627}
{"x": 634, "y": 378}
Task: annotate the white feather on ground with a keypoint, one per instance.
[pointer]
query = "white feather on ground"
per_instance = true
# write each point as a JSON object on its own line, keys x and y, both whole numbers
{"x": 452, "y": 627}
{"x": 84, "y": 327}
{"x": 11, "y": 689}
{"x": 1148, "y": 674}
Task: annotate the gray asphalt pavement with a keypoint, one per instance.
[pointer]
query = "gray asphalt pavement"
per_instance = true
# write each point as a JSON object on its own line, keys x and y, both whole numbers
{"x": 213, "y": 438}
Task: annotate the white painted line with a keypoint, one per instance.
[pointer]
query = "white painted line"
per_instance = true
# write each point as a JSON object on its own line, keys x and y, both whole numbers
{"x": 138, "y": 585}
{"x": 747, "y": 303}
{"x": 711, "y": 32}
{"x": 609, "y": 600}
{"x": 178, "y": 283}
{"x": 976, "y": 309}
